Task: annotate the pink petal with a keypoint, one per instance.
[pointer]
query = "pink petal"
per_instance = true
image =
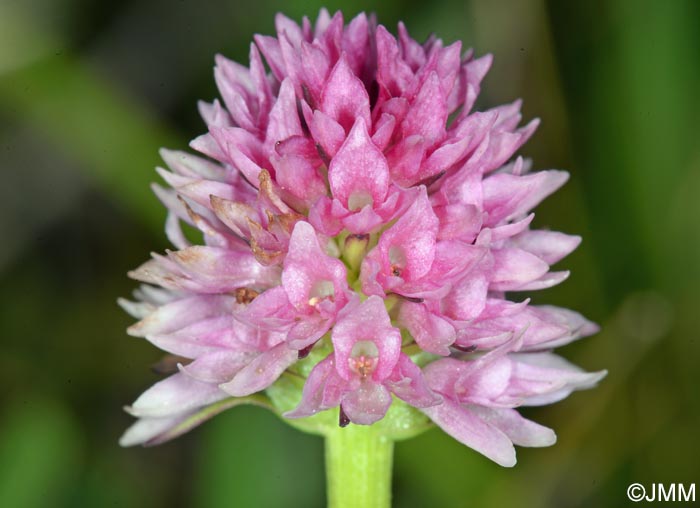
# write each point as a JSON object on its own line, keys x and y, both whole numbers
{"x": 484, "y": 385}
{"x": 328, "y": 133}
{"x": 179, "y": 313}
{"x": 503, "y": 144}
{"x": 442, "y": 375}
{"x": 447, "y": 66}
{"x": 547, "y": 280}
{"x": 408, "y": 247}
{"x": 515, "y": 267}
{"x": 307, "y": 331}
{"x": 345, "y": 98}
{"x": 237, "y": 216}
{"x": 287, "y": 26}
{"x": 413, "y": 53}
{"x": 240, "y": 149}
{"x": 332, "y": 36}
{"x": 359, "y": 170}
{"x": 507, "y": 197}
{"x": 154, "y": 431}
{"x": 315, "y": 65}
{"x": 235, "y": 85}
{"x": 509, "y": 230}
{"x": 453, "y": 259}
{"x": 199, "y": 190}
{"x": 218, "y": 366}
{"x": 407, "y": 383}
{"x": 545, "y": 378}
{"x": 261, "y": 85}
{"x": 364, "y": 221}
{"x": 427, "y": 115}
{"x": 261, "y": 372}
{"x": 458, "y": 221}
{"x": 145, "y": 429}
{"x": 508, "y": 115}
{"x": 467, "y": 298}
{"x": 270, "y": 48}
{"x": 271, "y": 309}
{"x": 322, "y": 22}
{"x": 475, "y": 71}
{"x": 383, "y": 130}
{"x": 367, "y": 404}
{"x": 521, "y": 431}
{"x": 138, "y": 310}
{"x": 356, "y": 42}
{"x": 214, "y": 270}
{"x": 323, "y": 219}
{"x": 392, "y": 72}
{"x": 174, "y": 395}
{"x": 302, "y": 276}
{"x": 206, "y": 337}
{"x": 284, "y": 119}
{"x": 214, "y": 114}
{"x": 405, "y": 159}
{"x": 292, "y": 60}
{"x": 190, "y": 165}
{"x": 313, "y": 397}
{"x": 207, "y": 145}
{"x": 431, "y": 332}
{"x": 298, "y": 176}
{"x": 541, "y": 327}
{"x": 467, "y": 428}
{"x": 550, "y": 246}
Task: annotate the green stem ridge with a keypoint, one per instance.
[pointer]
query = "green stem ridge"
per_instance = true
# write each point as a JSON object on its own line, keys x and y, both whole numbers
{"x": 358, "y": 467}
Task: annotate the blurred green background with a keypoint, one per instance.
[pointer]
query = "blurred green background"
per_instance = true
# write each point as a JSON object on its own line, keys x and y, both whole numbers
{"x": 90, "y": 89}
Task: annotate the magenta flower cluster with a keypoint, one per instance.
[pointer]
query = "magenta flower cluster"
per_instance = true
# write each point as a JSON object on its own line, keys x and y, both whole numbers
{"x": 351, "y": 197}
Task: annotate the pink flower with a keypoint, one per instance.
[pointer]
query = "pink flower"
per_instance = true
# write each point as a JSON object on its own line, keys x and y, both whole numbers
{"x": 367, "y": 366}
{"x": 312, "y": 292}
{"x": 479, "y": 397}
{"x": 362, "y": 228}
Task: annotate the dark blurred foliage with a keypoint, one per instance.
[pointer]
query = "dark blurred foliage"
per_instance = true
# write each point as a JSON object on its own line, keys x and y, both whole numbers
{"x": 88, "y": 92}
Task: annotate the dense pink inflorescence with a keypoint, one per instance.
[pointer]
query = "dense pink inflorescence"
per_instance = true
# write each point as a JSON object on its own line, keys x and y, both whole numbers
{"x": 351, "y": 197}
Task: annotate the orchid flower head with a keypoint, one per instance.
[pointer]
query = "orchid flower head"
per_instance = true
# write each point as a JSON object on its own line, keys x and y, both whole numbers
{"x": 365, "y": 235}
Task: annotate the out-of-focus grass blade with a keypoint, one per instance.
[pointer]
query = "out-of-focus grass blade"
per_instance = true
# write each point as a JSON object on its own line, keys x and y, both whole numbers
{"x": 250, "y": 458}
{"x": 18, "y": 45}
{"x": 634, "y": 115}
{"x": 435, "y": 470}
{"x": 40, "y": 451}
{"x": 657, "y": 105}
{"x": 112, "y": 138}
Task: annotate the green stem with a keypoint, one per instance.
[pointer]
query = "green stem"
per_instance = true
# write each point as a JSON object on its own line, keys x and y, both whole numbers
{"x": 358, "y": 467}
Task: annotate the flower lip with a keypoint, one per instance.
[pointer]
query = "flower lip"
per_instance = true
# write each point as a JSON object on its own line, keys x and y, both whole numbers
{"x": 322, "y": 290}
{"x": 363, "y": 358}
{"x": 317, "y": 283}
{"x": 366, "y": 330}
{"x": 359, "y": 199}
{"x": 397, "y": 258}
